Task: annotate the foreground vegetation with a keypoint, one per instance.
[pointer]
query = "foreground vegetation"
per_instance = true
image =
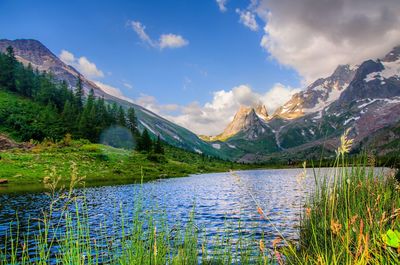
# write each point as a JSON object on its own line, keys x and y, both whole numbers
{"x": 353, "y": 217}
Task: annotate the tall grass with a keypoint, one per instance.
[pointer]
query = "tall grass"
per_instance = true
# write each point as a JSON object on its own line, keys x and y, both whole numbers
{"x": 353, "y": 217}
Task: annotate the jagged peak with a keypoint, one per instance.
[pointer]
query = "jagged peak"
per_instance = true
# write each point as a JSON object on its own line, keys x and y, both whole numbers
{"x": 261, "y": 111}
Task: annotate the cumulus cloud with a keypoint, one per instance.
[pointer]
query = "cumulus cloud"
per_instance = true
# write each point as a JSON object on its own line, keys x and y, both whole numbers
{"x": 314, "y": 36}
{"x": 165, "y": 41}
{"x": 172, "y": 41}
{"x": 151, "y": 103}
{"x": 222, "y": 5}
{"x": 212, "y": 117}
{"x": 113, "y": 91}
{"x": 82, "y": 64}
{"x": 248, "y": 19}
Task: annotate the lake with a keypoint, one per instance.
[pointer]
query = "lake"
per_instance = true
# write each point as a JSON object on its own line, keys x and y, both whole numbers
{"x": 218, "y": 200}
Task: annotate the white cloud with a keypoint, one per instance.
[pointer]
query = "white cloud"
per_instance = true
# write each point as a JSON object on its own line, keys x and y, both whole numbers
{"x": 165, "y": 41}
{"x": 222, "y": 5}
{"x": 172, "y": 41}
{"x": 315, "y": 36}
{"x": 82, "y": 64}
{"x": 140, "y": 31}
{"x": 248, "y": 19}
{"x": 212, "y": 117}
{"x": 67, "y": 57}
{"x": 127, "y": 85}
{"x": 113, "y": 91}
{"x": 151, "y": 103}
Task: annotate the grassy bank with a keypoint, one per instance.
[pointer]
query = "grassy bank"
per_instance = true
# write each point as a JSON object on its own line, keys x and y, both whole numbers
{"x": 103, "y": 164}
{"x": 352, "y": 218}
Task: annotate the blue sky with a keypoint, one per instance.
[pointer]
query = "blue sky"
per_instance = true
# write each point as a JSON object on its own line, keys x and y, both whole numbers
{"x": 221, "y": 52}
{"x": 228, "y": 54}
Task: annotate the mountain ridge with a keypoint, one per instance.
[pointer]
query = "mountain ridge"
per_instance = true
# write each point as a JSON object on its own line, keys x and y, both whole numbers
{"x": 364, "y": 98}
{"x": 40, "y": 57}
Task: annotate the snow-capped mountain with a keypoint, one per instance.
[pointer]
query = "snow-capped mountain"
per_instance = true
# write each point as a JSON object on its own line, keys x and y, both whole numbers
{"x": 318, "y": 95}
{"x": 364, "y": 98}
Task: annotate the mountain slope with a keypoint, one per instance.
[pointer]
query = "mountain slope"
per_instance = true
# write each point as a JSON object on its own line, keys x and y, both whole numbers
{"x": 35, "y": 53}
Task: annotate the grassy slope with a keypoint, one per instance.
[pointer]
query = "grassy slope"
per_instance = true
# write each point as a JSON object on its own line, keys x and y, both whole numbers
{"x": 100, "y": 163}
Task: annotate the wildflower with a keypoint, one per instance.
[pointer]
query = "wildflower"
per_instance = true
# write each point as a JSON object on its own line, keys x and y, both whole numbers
{"x": 335, "y": 227}
{"x": 345, "y": 143}
{"x": 260, "y": 212}
{"x": 261, "y": 246}
{"x": 278, "y": 257}
{"x": 353, "y": 219}
{"x": 308, "y": 212}
{"x": 276, "y": 242}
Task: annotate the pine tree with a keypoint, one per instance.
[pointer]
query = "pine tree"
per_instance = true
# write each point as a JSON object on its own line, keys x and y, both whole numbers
{"x": 79, "y": 94}
{"x": 8, "y": 70}
{"x": 144, "y": 142}
{"x": 25, "y": 81}
{"x": 158, "y": 147}
{"x": 69, "y": 116}
{"x": 121, "y": 120}
{"x": 131, "y": 120}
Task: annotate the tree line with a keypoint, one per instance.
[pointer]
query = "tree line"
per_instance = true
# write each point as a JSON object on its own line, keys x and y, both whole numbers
{"x": 65, "y": 110}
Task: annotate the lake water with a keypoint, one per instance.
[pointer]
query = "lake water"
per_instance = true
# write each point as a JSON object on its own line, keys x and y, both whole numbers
{"x": 217, "y": 199}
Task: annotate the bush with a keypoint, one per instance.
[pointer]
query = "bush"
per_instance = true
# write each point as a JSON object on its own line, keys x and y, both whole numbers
{"x": 158, "y": 158}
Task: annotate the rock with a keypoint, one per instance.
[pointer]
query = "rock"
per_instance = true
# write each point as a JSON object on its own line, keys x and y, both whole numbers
{"x": 3, "y": 181}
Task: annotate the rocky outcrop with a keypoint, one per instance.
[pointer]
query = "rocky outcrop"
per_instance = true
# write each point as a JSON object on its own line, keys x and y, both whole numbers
{"x": 318, "y": 95}
{"x": 247, "y": 118}
{"x": 6, "y": 143}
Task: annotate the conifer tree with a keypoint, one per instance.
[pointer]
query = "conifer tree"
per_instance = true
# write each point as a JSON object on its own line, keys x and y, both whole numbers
{"x": 69, "y": 116}
{"x": 144, "y": 142}
{"x": 121, "y": 120}
{"x": 79, "y": 94}
{"x": 158, "y": 148}
{"x": 8, "y": 70}
{"x": 131, "y": 120}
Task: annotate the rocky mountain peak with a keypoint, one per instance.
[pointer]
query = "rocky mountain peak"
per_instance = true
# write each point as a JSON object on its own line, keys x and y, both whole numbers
{"x": 245, "y": 118}
{"x": 33, "y": 52}
{"x": 262, "y": 112}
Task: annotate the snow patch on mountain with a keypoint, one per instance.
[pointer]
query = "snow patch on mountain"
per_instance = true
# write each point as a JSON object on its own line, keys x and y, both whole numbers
{"x": 391, "y": 69}
{"x": 351, "y": 119}
{"x": 198, "y": 151}
{"x": 148, "y": 127}
{"x": 216, "y": 146}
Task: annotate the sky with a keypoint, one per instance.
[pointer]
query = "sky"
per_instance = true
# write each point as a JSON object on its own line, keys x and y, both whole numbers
{"x": 195, "y": 62}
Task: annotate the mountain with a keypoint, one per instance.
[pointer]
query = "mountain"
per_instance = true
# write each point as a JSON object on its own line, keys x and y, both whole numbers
{"x": 41, "y": 58}
{"x": 318, "y": 95}
{"x": 246, "y": 119}
{"x": 364, "y": 98}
